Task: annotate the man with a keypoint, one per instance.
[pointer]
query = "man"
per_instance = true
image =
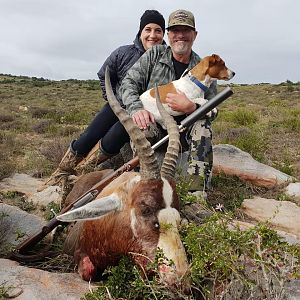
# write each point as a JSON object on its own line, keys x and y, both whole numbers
{"x": 160, "y": 65}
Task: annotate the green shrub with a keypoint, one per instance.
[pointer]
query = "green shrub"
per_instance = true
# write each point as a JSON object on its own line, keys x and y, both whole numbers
{"x": 228, "y": 191}
{"x": 125, "y": 281}
{"x": 220, "y": 256}
{"x": 240, "y": 117}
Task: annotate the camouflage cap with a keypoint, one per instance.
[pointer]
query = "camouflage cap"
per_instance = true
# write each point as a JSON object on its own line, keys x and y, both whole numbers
{"x": 181, "y": 17}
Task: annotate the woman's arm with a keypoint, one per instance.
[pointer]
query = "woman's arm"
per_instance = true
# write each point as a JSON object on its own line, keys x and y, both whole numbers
{"x": 112, "y": 63}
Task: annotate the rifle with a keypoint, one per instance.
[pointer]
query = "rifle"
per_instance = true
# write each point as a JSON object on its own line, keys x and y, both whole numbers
{"x": 23, "y": 247}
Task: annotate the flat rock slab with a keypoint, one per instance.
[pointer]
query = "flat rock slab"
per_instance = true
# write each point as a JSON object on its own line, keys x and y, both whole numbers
{"x": 29, "y": 186}
{"x": 48, "y": 195}
{"x": 230, "y": 160}
{"x": 23, "y": 283}
{"x": 282, "y": 215}
{"x": 16, "y": 225}
{"x": 21, "y": 183}
{"x": 292, "y": 239}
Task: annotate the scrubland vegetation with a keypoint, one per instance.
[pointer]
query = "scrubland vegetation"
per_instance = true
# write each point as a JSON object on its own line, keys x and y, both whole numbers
{"x": 39, "y": 117}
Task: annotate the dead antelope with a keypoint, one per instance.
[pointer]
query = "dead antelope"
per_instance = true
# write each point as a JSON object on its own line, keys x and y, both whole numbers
{"x": 135, "y": 214}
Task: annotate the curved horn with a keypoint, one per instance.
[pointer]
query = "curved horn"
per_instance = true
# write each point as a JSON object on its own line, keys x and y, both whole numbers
{"x": 149, "y": 168}
{"x": 169, "y": 164}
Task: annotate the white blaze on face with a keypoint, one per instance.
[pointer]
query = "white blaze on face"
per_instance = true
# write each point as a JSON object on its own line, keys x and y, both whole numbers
{"x": 169, "y": 239}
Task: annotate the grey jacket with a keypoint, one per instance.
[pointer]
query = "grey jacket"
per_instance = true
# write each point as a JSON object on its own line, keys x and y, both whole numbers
{"x": 154, "y": 66}
{"x": 119, "y": 61}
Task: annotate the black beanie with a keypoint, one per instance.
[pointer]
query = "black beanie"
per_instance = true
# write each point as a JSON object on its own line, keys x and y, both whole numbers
{"x": 152, "y": 16}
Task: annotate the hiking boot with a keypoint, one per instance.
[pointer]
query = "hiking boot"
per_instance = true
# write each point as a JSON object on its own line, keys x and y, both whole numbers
{"x": 65, "y": 168}
{"x": 96, "y": 156}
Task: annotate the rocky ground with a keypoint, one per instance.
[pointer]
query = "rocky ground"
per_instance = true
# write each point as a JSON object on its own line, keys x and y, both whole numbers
{"x": 23, "y": 282}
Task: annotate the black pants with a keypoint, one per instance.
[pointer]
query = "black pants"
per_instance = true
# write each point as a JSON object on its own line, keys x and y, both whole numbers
{"x": 105, "y": 127}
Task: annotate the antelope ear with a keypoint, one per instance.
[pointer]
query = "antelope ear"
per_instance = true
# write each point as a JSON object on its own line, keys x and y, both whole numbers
{"x": 93, "y": 210}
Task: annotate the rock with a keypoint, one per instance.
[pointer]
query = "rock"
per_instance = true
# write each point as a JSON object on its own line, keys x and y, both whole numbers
{"x": 293, "y": 189}
{"x": 32, "y": 284}
{"x": 21, "y": 183}
{"x": 15, "y": 226}
{"x": 29, "y": 186}
{"x": 231, "y": 160}
{"x": 50, "y": 194}
{"x": 195, "y": 212}
{"x": 282, "y": 215}
{"x": 292, "y": 239}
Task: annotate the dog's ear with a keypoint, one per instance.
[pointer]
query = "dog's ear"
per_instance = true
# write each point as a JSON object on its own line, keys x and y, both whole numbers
{"x": 206, "y": 62}
{"x": 216, "y": 57}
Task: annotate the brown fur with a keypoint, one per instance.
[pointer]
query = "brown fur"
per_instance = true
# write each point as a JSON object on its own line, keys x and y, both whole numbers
{"x": 212, "y": 65}
{"x": 104, "y": 240}
{"x": 163, "y": 91}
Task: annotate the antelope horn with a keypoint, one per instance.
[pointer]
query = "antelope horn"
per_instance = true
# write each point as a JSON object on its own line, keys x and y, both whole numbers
{"x": 149, "y": 168}
{"x": 169, "y": 163}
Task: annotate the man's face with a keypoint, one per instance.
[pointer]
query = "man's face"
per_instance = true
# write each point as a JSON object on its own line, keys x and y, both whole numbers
{"x": 181, "y": 39}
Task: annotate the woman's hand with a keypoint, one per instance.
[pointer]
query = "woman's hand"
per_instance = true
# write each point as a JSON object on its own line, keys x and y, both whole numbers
{"x": 143, "y": 118}
{"x": 180, "y": 102}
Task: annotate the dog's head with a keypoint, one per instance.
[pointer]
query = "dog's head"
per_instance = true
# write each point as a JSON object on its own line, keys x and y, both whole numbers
{"x": 215, "y": 67}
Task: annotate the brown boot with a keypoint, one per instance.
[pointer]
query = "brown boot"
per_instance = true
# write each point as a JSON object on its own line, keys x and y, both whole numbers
{"x": 65, "y": 168}
{"x": 96, "y": 156}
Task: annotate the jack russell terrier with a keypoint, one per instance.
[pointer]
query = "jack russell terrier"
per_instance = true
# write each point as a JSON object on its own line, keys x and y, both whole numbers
{"x": 194, "y": 84}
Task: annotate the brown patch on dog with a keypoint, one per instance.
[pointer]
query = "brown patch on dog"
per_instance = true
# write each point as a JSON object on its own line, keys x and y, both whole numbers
{"x": 213, "y": 66}
{"x": 200, "y": 70}
{"x": 163, "y": 91}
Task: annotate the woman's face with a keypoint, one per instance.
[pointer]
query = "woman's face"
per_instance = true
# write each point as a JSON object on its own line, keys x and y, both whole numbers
{"x": 152, "y": 34}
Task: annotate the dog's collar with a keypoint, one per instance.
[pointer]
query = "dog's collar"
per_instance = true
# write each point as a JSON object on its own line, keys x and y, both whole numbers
{"x": 203, "y": 87}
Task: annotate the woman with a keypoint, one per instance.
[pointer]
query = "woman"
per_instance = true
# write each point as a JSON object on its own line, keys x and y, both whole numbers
{"x": 105, "y": 131}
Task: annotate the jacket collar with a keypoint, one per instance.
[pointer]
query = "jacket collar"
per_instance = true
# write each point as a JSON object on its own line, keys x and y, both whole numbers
{"x": 167, "y": 59}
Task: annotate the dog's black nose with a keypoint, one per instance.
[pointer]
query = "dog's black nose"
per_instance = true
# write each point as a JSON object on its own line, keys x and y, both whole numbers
{"x": 233, "y": 73}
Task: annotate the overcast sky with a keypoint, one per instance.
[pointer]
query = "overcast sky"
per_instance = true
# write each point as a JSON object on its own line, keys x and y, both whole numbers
{"x": 63, "y": 39}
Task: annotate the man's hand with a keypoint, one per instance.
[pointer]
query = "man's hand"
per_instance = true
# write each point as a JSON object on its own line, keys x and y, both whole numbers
{"x": 180, "y": 102}
{"x": 143, "y": 118}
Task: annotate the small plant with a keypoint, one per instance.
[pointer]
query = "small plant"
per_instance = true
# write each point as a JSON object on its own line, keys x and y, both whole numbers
{"x": 183, "y": 185}
{"x": 19, "y": 234}
{"x": 3, "y": 291}
{"x": 10, "y": 194}
{"x": 51, "y": 210}
{"x": 285, "y": 166}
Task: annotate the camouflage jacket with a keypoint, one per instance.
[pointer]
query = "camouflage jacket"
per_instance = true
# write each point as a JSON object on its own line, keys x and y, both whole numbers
{"x": 154, "y": 66}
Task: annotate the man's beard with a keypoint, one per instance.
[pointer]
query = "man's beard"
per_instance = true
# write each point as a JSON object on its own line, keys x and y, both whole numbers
{"x": 180, "y": 47}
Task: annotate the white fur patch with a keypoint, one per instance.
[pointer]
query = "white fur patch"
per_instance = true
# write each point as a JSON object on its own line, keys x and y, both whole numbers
{"x": 133, "y": 222}
{"x": 167, "y": 192}
{"x": 133, "y": 181}
{"x": 168, "y": 215}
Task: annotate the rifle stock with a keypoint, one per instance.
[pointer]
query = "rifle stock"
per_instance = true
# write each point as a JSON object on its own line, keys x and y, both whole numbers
{"x": 97, "y": 188}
